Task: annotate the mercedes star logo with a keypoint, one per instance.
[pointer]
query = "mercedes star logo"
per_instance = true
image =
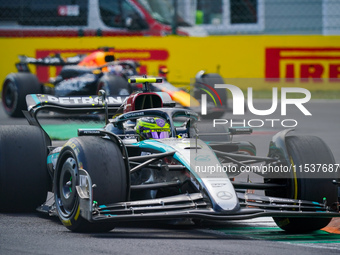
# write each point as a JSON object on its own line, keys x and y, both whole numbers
{"x": 224, "y": 195}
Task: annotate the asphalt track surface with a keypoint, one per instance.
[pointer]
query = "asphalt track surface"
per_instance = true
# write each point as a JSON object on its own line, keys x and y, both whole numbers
{"x": 37, "y": 234}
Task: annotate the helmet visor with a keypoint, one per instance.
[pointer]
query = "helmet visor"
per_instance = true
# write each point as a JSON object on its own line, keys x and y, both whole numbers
{"x": 156, "y": 135}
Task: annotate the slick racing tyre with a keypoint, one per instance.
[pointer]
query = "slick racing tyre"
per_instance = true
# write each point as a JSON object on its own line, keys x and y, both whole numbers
{"x": 114, "y": 85}
{"x": 205, "y": 85}
{"x": 307, "y": 150}
{"x": 15, "y": 88}
{"x": 24, "y": 179}
{"x": 103, "y": 161}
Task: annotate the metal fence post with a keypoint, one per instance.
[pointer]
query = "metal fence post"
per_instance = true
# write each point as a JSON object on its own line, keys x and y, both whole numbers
{"x": 174, "y": 18}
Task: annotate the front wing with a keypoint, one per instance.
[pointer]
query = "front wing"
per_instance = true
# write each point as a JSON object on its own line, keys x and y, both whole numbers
{"x": 195, "y": 205}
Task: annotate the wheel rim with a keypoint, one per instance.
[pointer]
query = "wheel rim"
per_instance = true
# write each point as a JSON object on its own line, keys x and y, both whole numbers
{"x": 66, "y": 194}
{"x": 9, "y": 95}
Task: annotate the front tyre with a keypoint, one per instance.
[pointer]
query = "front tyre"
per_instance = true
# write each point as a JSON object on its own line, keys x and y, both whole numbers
{"x": 103, "y": 161}
{"x": 307, "y": 150}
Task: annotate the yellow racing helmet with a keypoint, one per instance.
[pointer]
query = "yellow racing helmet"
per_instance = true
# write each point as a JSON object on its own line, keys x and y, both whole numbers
{"x": 152, "y": 128}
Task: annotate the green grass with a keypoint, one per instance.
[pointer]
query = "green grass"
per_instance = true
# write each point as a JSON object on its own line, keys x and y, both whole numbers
{"x": 277, "y": 234}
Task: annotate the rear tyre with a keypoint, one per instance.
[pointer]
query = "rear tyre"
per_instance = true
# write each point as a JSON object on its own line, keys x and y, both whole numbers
{"x": 103, "y": 161}
{"x": 114, "y": 85}
{"x": 307, "y": 150}
{"x": 15, "y": 88}
{"x": 23, "y": 170}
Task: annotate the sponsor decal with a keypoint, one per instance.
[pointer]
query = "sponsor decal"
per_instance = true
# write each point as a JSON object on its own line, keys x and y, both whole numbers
{"x": 224, "y": 195}
{"x": 90, "y": 100}
{"x": 304, "y": 62}
{"x": 131, "y": 115}
{"x": 91, "y": 131}
{"x": 218, "y": 185}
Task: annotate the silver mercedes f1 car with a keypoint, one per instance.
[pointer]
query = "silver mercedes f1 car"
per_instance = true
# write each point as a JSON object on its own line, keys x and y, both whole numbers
{"x": 153, "y": 161}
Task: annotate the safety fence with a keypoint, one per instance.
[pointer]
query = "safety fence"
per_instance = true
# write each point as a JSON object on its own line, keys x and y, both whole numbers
{"x": 163, "y": 17}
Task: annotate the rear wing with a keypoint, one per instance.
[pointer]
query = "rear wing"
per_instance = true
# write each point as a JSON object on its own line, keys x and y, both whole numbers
{"x": 57, "y": 60}
{"x": 70, "y": 105}
{"x": 48, "y": 61}
{"x": 88, "y": 104}
{"x": 81, "y": 104}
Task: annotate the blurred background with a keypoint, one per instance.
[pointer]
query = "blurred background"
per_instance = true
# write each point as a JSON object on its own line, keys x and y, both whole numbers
{"x": 216, "y": 17}
{"x": 262, "y": 39}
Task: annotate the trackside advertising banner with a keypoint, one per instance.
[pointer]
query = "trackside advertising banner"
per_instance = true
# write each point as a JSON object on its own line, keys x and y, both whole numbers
{"x": 314, "y": 59}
